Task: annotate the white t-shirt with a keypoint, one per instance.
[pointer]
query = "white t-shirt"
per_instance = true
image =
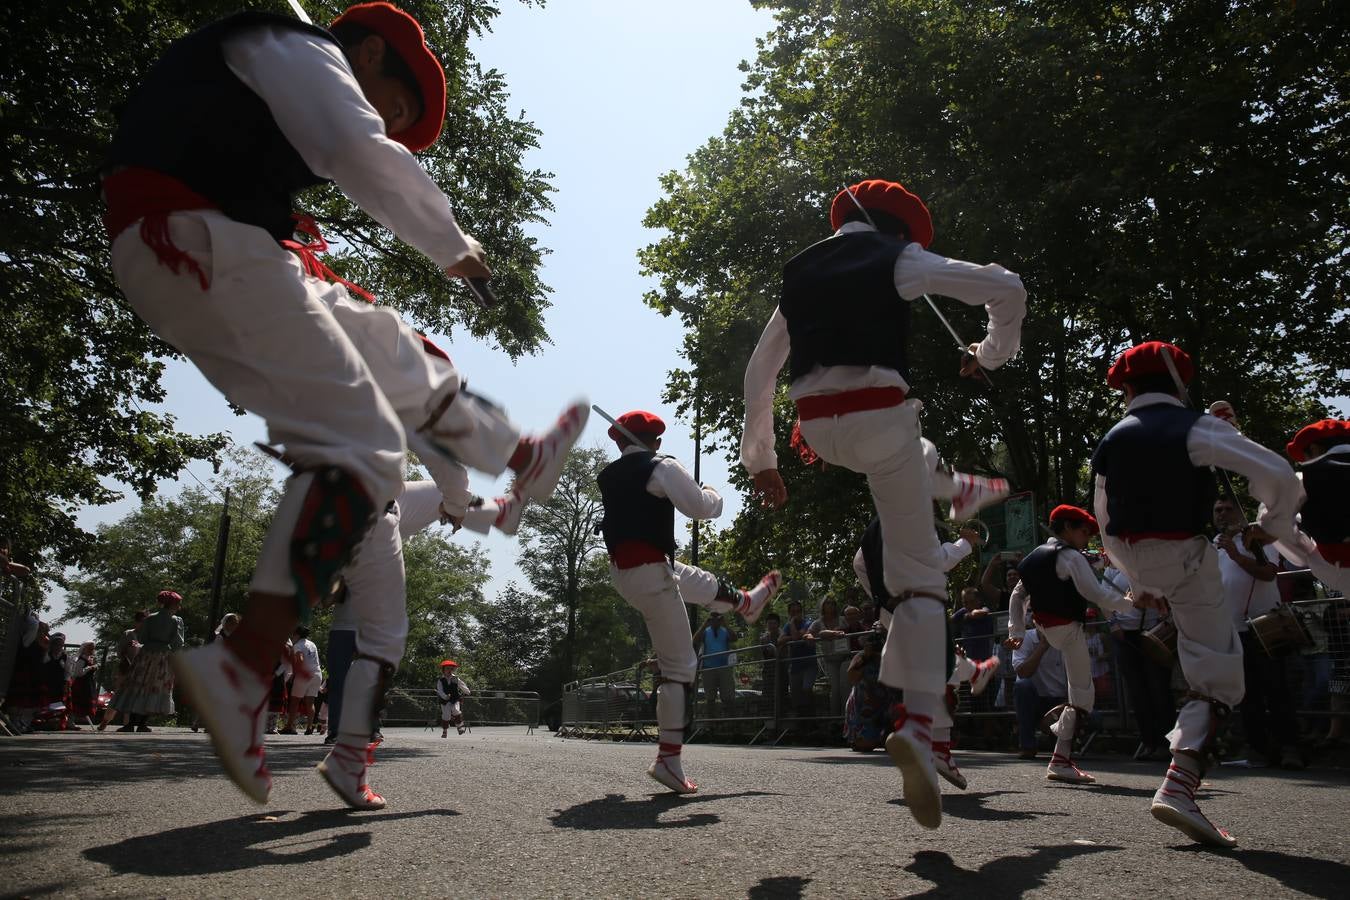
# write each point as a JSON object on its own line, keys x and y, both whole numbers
{"x": 1247, "y": 597}
{"x": 309, "y": 660}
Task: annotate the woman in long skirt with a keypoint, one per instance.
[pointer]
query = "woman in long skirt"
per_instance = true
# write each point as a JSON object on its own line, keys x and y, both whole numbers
{"x": 148, "y": 690}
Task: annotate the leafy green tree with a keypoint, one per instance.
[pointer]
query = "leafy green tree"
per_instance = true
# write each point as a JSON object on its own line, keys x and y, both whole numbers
{"x": 510, "y": 640}
{"x": 78, "y": 366}
{"x": 445, "y": 591}
{"x": 558, "y": 539}
{"x": 1153, "y": 170}
{"x": 169, "y": 543}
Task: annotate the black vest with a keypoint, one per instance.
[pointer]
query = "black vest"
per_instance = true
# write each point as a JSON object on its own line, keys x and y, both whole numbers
{"x": 193, "y": 120}
{"x": 450, "y": 687}
{"x": 1151, "y": 485}
{"x": 1050, "y": 593}
{"x": 841, "y": 307}
{"x": 872, "y": 560}
{"x": 1326, "y": 514}
{"x": 632, "y": 514}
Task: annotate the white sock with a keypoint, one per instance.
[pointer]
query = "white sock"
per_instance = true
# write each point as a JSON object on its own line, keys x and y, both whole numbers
{"x": 942, "y": 735}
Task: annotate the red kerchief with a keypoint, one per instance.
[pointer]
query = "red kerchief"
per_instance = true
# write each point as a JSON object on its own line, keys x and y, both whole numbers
{"x": 643, "y": 425}
{"x": 1147, "y": 359}
{"x": 404, "y": 36}
{"x": 449, "y": 664}
{"x": 888, "y": 197}
{"x": 167, "y": 597}
{"x": 1066, "y": 513}
{"x": 1327, "y": 432}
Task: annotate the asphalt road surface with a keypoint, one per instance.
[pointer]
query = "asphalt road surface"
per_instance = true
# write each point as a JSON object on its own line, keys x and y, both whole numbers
{"x": 502, "y": 814}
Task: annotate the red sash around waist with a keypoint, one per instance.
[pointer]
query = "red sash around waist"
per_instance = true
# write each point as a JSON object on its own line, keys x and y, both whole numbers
{"x": 821, "y": 406}
{"x": 631, "y": 554}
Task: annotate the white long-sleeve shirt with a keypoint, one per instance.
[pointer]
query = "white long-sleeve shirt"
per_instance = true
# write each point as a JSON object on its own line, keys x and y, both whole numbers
{"x": 1070, "y": 565}
{"x": 671, "y": 480}
{"x": 1213, "y": 442}
{"x": 917, "y": 272}
{"x": 310, "y": 89}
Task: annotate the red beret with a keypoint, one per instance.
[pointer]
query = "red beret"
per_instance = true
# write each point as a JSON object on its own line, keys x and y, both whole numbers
{"x": 449, "y": 663}
{"x": 166, "y": 597}
{"x": 1147, "y": 359}
{"x": 1327, "y": 431}
{"x": 888, "y": 197}
{"x": 404, "y": 36}
{"x": 642, "y": 424}
{"x": 1066, "y": 513}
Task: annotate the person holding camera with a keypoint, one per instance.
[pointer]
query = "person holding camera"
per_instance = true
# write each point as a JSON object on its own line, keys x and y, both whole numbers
{"x": 719, "y": 676}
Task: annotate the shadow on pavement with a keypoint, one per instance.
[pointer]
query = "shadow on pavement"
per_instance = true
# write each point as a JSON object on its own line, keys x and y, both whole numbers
{"x": 1004, "y": 877}
{"x": 231, "y": 844}
{"x": 71, "y": 762}
{"x": 32, "y": 833}
{"x": 787, "y": 887}
{"x": 971, "y": 806}
{"x": 614, "y": 811}
{"x": 1310, "y": 875}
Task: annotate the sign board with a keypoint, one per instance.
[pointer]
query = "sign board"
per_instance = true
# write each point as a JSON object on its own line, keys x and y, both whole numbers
{"x": 1019, "y": 523}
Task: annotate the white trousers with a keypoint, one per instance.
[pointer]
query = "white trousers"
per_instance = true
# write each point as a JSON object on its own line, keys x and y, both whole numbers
{"x": 376, "y": 591}
{"x": 661, "y": 593}
{"x": 884, "y": 445}
{"x": 475, "y": 432}
{"x": 1071, "y": 642}
{"x": 1208, "y": 648}
{"x": 263, "y": 335}
{"x": 377, "y": 595}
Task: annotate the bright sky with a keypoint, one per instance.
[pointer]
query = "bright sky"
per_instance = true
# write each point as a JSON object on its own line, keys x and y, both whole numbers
{"x": 623, "y": 90}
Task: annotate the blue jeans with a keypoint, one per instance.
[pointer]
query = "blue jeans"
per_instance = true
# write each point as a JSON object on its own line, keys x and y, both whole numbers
{"x": 1030, "y": 707}
{"x": 341, "y": 649}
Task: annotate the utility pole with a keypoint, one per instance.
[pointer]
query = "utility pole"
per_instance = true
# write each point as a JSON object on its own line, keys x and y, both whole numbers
{"x": 218, "y": 571}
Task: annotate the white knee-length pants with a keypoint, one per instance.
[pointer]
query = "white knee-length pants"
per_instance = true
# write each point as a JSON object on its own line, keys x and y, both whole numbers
{"x": 337, "y": 380}
{"x": 1208, "y": 648}
{"x": 885, "y": 446}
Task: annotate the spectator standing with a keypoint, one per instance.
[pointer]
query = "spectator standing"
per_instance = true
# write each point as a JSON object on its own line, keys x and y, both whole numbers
{"x": 84, "y": 685}
{"x": 800, "y": 646}
{"x": 281, "y": 684}
{"x": 305, "y": 686}
{"x": 148, "y": 690}
{"x": 719, "y": 676}
{"x": 974, "y": 622}
{"x": 773, "y": 686}
{"x": 1248, "y": 567}
{"x": 1041, "y": 686}
{"x": 829, "y": 631}
{"x": 1148, "y": 685}
{"x": 997, "y": 589}
{"x": 870, "y": 614}
{"x": 54, "y": 683}
{"x": 866, "y": 719}
{"x": 127, "y": 649}
{"x": 341, "y": 652}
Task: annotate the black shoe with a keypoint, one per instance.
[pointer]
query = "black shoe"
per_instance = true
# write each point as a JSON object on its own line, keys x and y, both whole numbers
{"x": 126, "y": 729}
{"x": 142, "y": 729}
{"x": 1291, "y": 758}
{"x": 288, "y": 731}
{"x": 330, "y": 740}
{"x": 1141, "y": 752}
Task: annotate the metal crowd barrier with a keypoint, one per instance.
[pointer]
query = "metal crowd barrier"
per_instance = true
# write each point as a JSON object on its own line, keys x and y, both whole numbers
{"x": 773, "y": 694}
{"x": 482, "y": 707}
